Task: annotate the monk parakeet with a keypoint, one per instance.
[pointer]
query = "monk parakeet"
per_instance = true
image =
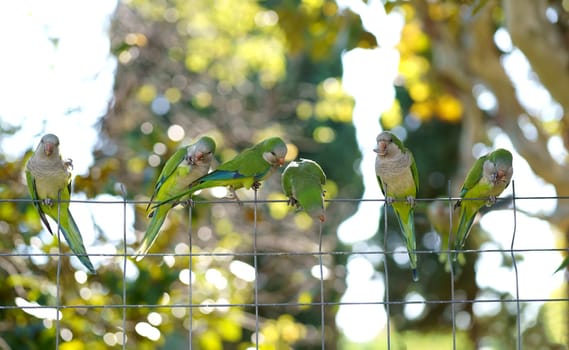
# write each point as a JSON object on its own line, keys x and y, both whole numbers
{"x": 247, "y": 169}
{"x": 184, "y": 167}
{"x": 487, "y": 178}
{"x": 49, "y": 179}
{"x": 302, "y": 182}
{"x": 397, "y": 174}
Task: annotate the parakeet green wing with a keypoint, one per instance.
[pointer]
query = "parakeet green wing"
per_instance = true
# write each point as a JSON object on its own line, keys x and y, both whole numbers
{"x": 169, "y": 167}
{"x": 34, "y": 194}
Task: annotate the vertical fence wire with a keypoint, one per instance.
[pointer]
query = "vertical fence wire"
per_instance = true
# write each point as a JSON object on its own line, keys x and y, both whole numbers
{"x": 449, "y": 259}
{"x": 518, "y": 313}
{"x": 256, "y": 268}
{"x": 124, "y": 301}
{"x": 190, "y": 273}
{"x": 58, "y": 274}
{"x": 322, "y": 301}
{"x": 386, "y": 272}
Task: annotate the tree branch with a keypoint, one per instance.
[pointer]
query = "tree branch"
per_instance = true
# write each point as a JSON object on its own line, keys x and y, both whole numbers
{"x": 542, "y": 44}
{"x": 484, "y": 60}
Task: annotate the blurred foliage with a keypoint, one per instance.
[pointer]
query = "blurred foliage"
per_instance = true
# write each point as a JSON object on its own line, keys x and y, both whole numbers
{"x": 241, "y": 71}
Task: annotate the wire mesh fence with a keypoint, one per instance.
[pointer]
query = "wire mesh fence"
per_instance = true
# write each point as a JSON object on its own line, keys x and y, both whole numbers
{"x": 189, "y": 304}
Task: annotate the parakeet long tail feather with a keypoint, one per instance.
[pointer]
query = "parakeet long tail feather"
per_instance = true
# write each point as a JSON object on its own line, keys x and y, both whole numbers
{"x": 73, "y": 237}
{"x": 156, "y": 221}
{"x": 408, "y": 230}
{"x": 464, "y": 225}
{"x": 172, "y": 200}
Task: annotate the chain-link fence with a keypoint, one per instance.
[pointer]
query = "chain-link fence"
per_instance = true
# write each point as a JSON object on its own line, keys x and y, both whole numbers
{"x": 188, "y": 304}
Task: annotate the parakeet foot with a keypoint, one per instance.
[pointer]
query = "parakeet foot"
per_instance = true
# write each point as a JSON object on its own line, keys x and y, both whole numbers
{"x": 454, "y": 256}
{"x": 233, "y": 196}
{"x": 292, "y": 202}
{"x": 491, "y": 201}
{"x": 68, "y": 163}
{"x": 410, "y": 200}
{"x": 187, "y": 203}
{"x": 256, "y": 185}
{"x": 389, "y": 200}
{"x": 48, "y": 201}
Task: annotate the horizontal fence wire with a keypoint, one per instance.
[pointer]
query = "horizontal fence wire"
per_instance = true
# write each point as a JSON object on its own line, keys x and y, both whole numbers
{"x": 255, "y": 253}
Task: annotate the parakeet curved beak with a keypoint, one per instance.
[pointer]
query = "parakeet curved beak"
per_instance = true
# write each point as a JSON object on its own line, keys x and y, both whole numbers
{"x": 500, "y": 175}
{"x": 48, "y": 148}
{"x": 193, "y": 160}
{"x": 381, "y": 148}
{"x": 280, "y": 161}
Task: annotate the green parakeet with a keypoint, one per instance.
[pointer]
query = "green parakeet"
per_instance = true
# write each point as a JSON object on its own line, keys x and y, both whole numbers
{"x": 486, "y": 180}
{"x": 302, "y": 182}
{"x": 247, "y": 169}
{"x": 49, "y": 178}
{"x": 184, "y": 167}
{"x": 397, "y": 174}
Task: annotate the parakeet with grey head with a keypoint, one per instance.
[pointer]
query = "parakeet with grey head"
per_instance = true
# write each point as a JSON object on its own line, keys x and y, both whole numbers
{"x": 184, "y": 167}
{"x": 48, "y": 177}
{"x": 399, "y": 181}
{"x": 486, "y": 180}
{"x": 247, "y": 169}
{"x": 302, "y": 182}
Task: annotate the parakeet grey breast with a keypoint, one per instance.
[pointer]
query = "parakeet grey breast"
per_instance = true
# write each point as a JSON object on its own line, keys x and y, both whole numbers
{"x": 394, "y": 169}
{"x": 50, "y": 174}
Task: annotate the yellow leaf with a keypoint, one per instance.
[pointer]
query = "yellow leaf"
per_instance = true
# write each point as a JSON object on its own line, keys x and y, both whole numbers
{"x": 305, "y": 298}
{"x": 72, "y": 345}
{"x": 323, "y": 134}
{"x": 210, "y": 340}
{"x": 302, "y": 220}
{"x": 146, "y": 93}
{"x": 419, "y": 91}
{"x": 412, "y": 68}
{"x": 304, "y": 110}
{"x": 422, "y": 110}
{"x": 173, "y": 95}
{"x": 229, "y": 330}
{"x": 278, "y": 210}
{"x": 449, "y": 108}
{"x": 392, "y": 117}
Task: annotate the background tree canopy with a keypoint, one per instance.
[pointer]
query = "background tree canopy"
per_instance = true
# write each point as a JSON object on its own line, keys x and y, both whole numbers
{"x": 471, "y": 75}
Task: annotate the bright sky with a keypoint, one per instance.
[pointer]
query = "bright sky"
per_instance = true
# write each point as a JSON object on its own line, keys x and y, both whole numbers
{"x": 61, "y": 88}
{"x": 65, "y": 89}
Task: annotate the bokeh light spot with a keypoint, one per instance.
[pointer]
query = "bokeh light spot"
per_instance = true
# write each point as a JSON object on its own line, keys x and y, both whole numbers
{"x": 176, "y": 133}
{"x": 324, "y": 134}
